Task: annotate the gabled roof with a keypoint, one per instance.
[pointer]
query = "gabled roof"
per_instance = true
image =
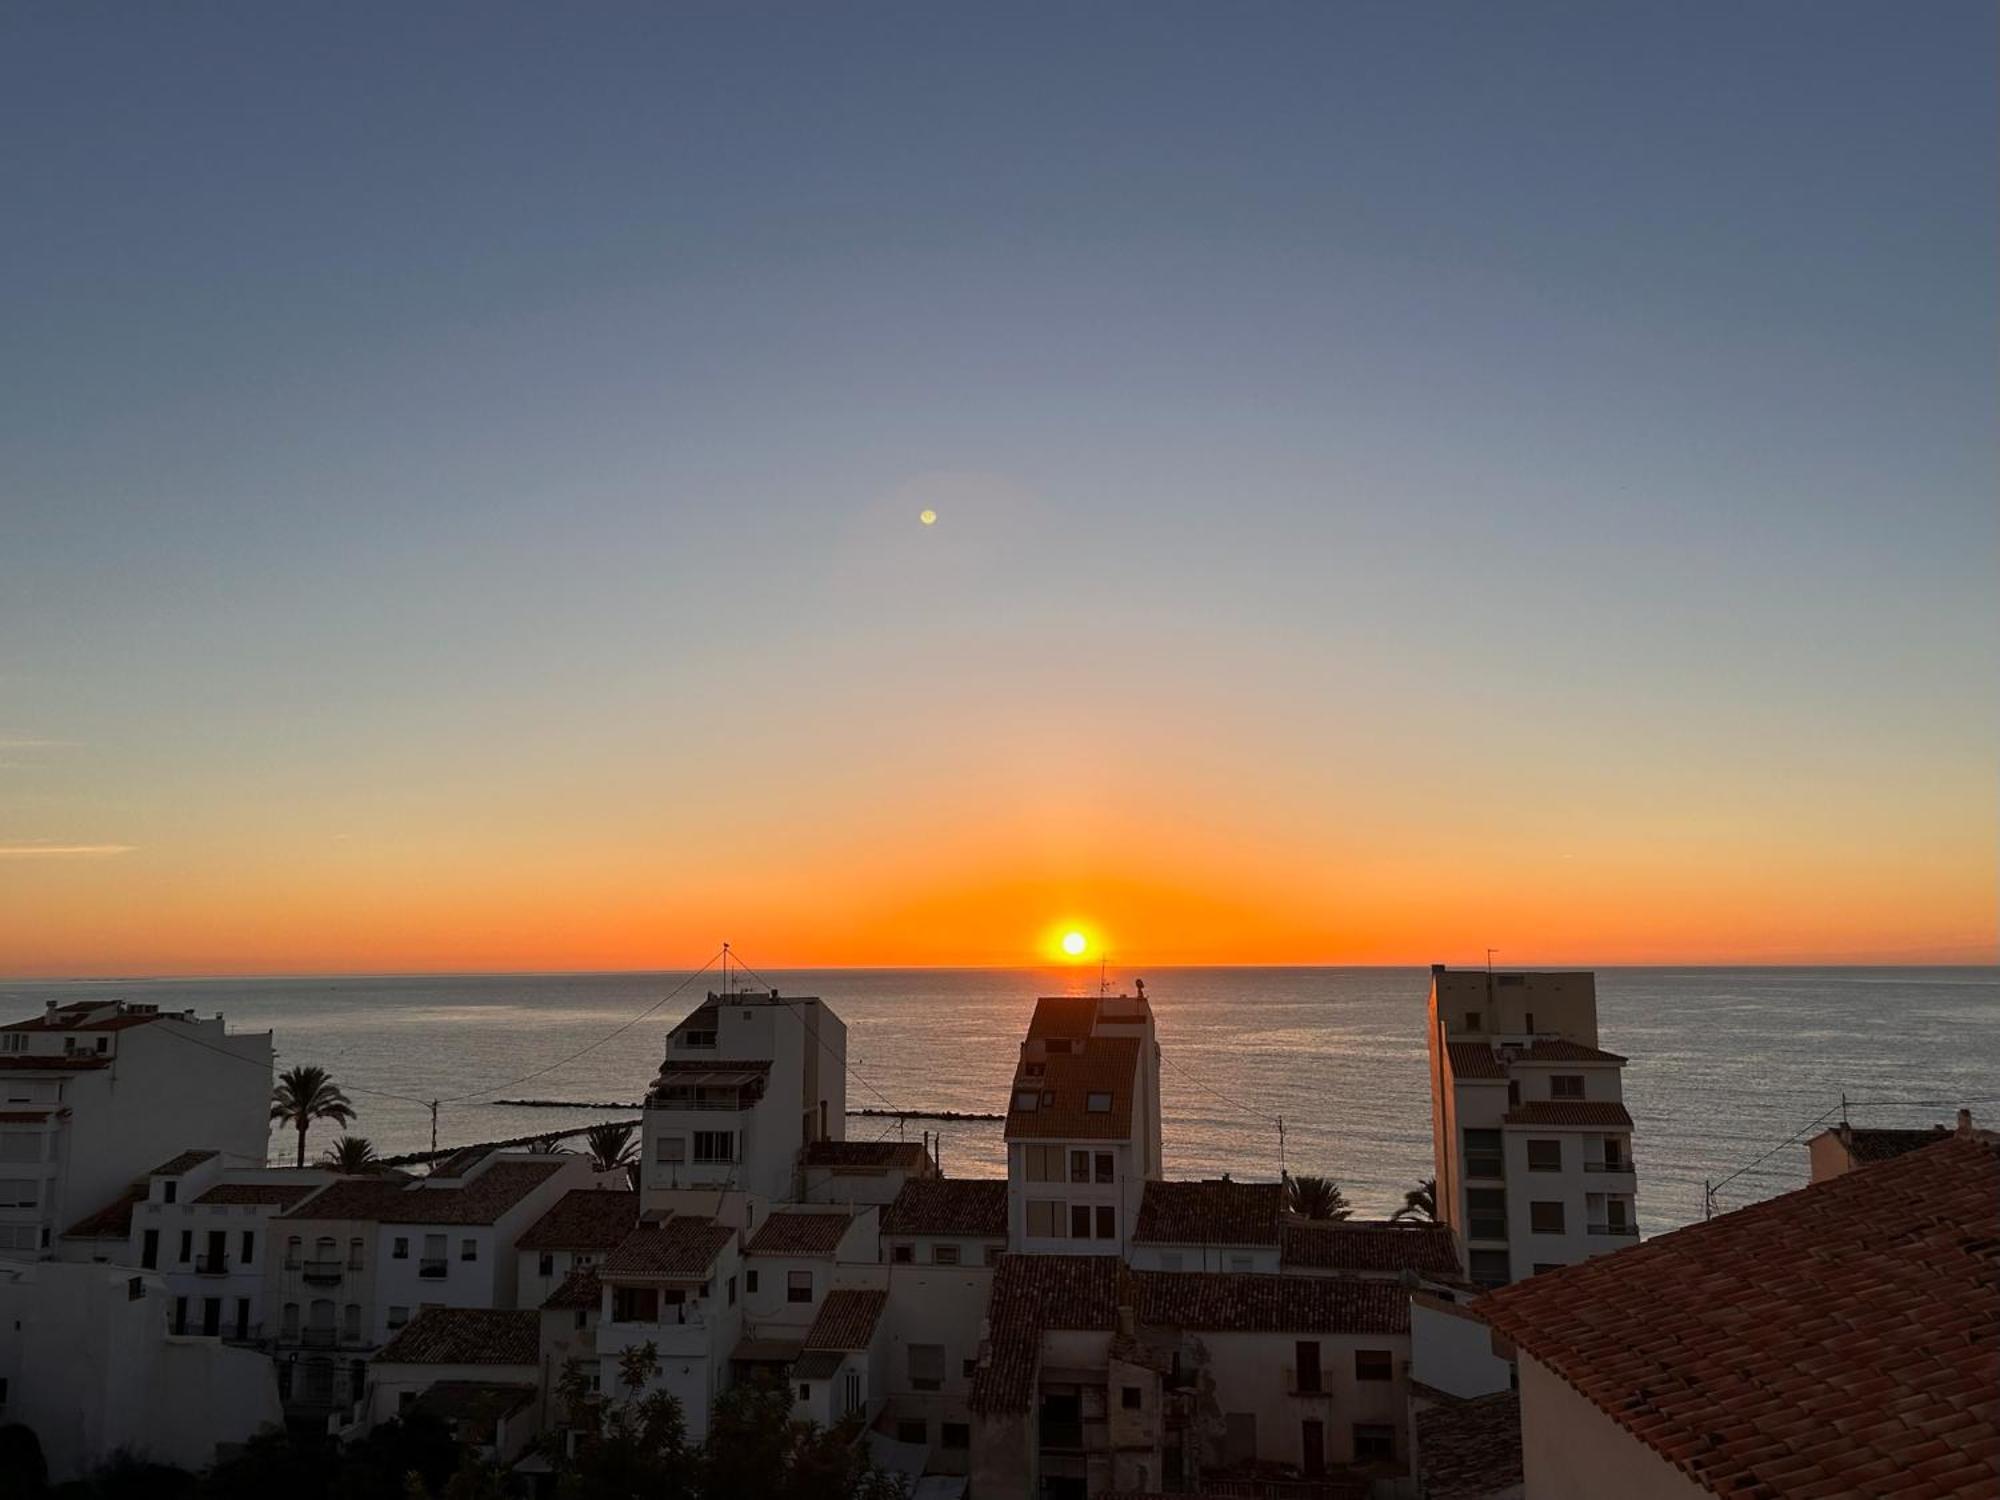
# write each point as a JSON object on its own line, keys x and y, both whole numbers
{"x": 111, "y": 1222}
{"x": 1062, "y": 1015}
{"x": 276, "y": 1194}
{"x": 580, "y": 1290}
{"x": 1105, "y": 1065}
{"x": 908, "y": 1156}
{"x": 467, "y": 1336}
{"x": 81, "y": 1017}
{"x": 1347, "y": 1245}
{"x": 1560, "y": 1049}
{"x": 1574, "y": 1113}
{"x": 1882, "y": 1145}
{"x": 784, "y": 1233}
{"x": 1479, "y": 1060}
{"x": 483, "y": 1199}
{"x": 1032, "y": 1293}
{"x": 682, "y": 1249}
{"x": 583, "y": 1219}
{"x": 1468, "y": 1450}
{"x": 1838, "y": 1339}
{"x": 973, "y": 1207}
{"x": 1209, "y": 1212}
{"x": 187, "y": 1161}
{"x": 847, "y": 1319}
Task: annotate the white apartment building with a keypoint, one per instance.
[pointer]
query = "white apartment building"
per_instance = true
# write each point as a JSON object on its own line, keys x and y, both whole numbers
{"x": 1083, "y": 1124}
{"x": 750, "y": 1080}
{"x": 356, "y": 1263}
{"x": 204, "y": 1225}
{"x": 1532, "y": 1139}
{"x": 88, "y": 1092}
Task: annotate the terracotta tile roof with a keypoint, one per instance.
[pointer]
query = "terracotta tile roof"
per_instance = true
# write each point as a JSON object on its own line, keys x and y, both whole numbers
{"x": 1479, "y": 1060}
{"x": 847, "y": 1318}
{"x": 1557, "y": 1049}
{"x": 75, "y": 1018}
{"x": 34, "y": 1115}
{"x": 276, "y": 1194}
{"x": 467, "y": 1336}
{"x": 580, "y": 1290}
{"x": 1474, "y": 1060}
{"x": 1320, "y": 1245}
{"x": 1468, "y": 1450}
{"x": 187, "y": 1161}
{"x": 909, "y": 1156}
{"x": 1209, "y": 1212}
{"x": 970, "y": 1206}
{"x": 1834, "y": 1340}
{"x": 28, "y": 1062}
{"x": 1062, "y": 1015}
{"x": 1882, "y": 1145}
{"x": 474, "y": 1408}
{"x": 1032, "y": 1293}
{"x": 682, "y": 1249}
{"x": 583, "y": 1219}
{"x": 784, "y": 1233}
{"x": 1244, "y": 1302}
{"x": 111, "y": 1222}
{"x": 1103, "y": 1065}
{"x": 818, "y": 1364}
{"x": 1568, "y": 1112}
{"x": 484, "y": 1199}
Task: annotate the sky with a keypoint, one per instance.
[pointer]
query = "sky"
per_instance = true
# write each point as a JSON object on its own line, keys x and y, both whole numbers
{"x": 1408, "y": 480}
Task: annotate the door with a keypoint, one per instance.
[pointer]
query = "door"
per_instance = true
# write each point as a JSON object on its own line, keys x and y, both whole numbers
{"x": 1312, "y": 1446}
{"x": 149, "y": 1251}
{"x": 218, "y": 1250}
{"x": 243, "y": 1317}
{"x": 211, "y": 1317}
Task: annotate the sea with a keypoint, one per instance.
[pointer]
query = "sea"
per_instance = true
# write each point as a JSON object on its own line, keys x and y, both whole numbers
{"x": 1317, "y": 1070}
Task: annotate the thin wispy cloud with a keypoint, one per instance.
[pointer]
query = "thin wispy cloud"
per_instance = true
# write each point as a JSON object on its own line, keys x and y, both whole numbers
{"x": 63, "y": 851}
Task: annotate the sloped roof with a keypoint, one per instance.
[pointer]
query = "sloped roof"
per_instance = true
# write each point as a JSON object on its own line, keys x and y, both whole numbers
{"x": 1568, "y": 1112}
{"x": 187, "y": 1161}
{"x": 483, "y": 1199}
{"x": 467, "y": 1336}
{"x": 1062, "y": 1015}
{"x": 1209, "y": 1212}
{"x": 784, "y": 1233}
{"x": 111, "y": 1222}
{"x": 276, "y": 1194}
{"x": 1560, "y": 1049}
{"x": 1475, "y": 1060}
{"x": 1479, "y": 1060}
{"x": 28, "y": 1062}
{"x": 909, "y": 1156}
{"x": 1832, "y": 1340}
{"x": 475, "y": 1407}
{"x": 1100, "y": 1065}
{"x": 818, "y": 1364}
{"x": 1347, "y": 1245}
{"x": 583, "y": 1219}
{"x": 1031, "y": 1293}
{"x": 580, "y": 1290}
{"x": 682, "y": 1249}
{"x": 1882, "y": 1145}
{"x": 847, "y": 1318}
{"x": 1467, "y": 1450}
{"x": 968, "y": 1206}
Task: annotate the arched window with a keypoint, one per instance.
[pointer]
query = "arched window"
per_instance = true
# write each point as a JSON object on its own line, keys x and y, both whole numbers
{"x": 354, "y": 1254}
{"x": 350, "y": 1323}
{"x": 292, "y": 1248}
{"x": 291, "y": 1325}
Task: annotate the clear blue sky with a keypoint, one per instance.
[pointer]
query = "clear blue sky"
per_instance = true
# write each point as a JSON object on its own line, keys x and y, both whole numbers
{"x": 443, "y": 438}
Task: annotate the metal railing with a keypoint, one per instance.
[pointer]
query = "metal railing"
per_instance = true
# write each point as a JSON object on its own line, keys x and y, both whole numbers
{"x": 1621, "y": 1168}
{"x": 211, "y": 1265}
{"x": 1627, "y": 1231}
{"x": 320, "y": 1338}
{"x": 323, "y": 1272}
{"x": 433, "y": 1267}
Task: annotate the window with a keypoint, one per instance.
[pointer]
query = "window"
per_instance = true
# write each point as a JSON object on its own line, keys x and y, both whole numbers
{"x": 1545, "y": 1216}
{"x": 750, "y": 1282}
{"x": 545, "y": 1263}
{"x": 913, "y": 1430}
{"x": 1546, "y": 1265}
{"x": 993, "y": 1254}
{"x": 1045, "y": 1221}
{"x": 1097, "y": 1104}
{"x": 187, "y": 1246}
{"x": 1131, "y": 1397}
{"x": 1614, "y": 1152}
{"x": 291, "y": 1320}
{"x": 350, "y": 1323}
{"x": 1545, "y": 1156}
{"x": 1312, "y": 1447}
{"x": 1566, "y": 1086}
{"x": 398, "y": 1316}
{"x": 401, "y": 1250}
{"x": 1488, "y": 1267}
{"x": 670, "y": 1150}
{"x": 1079, "y": 1166}
{"x": 1474, "y": 1021}
{"x": 798, "y": 1286}
{"x": 715, "y": 1145}
{"x": 243, "y": 1317}
{"x": 583, "y": 1317}
{"x": 354, "y": 1255}
{"x": 19, "y": 1145}
{"x": 1528, "y": 1023}
{"x": 1025, "y": 1100}
{"x": 249, "y": 1247}
{"x": 149, "y": 1250}
{"x": 1486, "y": 1213}
{"x": 902, "y": 1255}
{"x": 1513, "y": 1092}
{"x": 927, "y": 1367}
{"x": 169, "y": 1190}
{"x": 1104, "y": 1164}
{"x": 1305, "y": 1357}
{"x": 805, "y": 1393}
{"x": 1107, "y": 1222}
{"x": 968, "y": 1368}
{"x": 292, "y": 1248}
{"x": 698, "y": 1038}
{"x": 1373, "y": 1364}
{"x": 1079, "y": 1221}
{"x": 731, "y": 1284}
{"x": 19, "y": 1192}
{"x": 1374, "y": 1442}
{"x": 1483, "y": 1154}
{"x": 1042, "y": 1163}
{"x": 944, "y": 1255}
{"x": 954, "y": 1435}
{"x": 468, "y": 1249}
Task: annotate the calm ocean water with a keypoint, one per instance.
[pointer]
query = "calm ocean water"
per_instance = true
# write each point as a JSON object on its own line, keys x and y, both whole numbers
{"x": 1725, "y": 1063}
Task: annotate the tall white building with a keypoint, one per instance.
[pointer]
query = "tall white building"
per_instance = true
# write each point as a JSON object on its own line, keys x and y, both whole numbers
{"x": 1532, "y": 1139}
{"x": 750, "y": 1080}
{"x": 91, "y": 1092}
{"x": 1083, "y": 1124}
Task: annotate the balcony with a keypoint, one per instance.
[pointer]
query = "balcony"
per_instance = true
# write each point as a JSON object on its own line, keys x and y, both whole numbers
{"x": 1611, "y": 1168}
{"x": 211, "y": 1265}
{"x": 322, "y": 1272}
{"x": 433, "y": 1267}
{"x": 1062, "y": 1434}
{"x": 1617, "y": 1231}
{"x": 320, "y": 1338}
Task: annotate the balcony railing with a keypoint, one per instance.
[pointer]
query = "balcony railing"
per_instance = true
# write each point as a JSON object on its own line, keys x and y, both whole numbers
{"x": 1625, "y": 1231}
{"x": 433, "y": 1267}
{"x": 211, "y": 1265}
{"x": 1062, "y": 1434}
{"x": 1485, "y": 1227}
{"x": 320, "y": 1338}
{"x": 659, "y": 1101}
{"x": 323, "y": 1272}
{"x": 1620, "y": 1168}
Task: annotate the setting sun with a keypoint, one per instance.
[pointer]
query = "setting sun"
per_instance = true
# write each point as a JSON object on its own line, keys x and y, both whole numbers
{"x": 1074, "y": 943}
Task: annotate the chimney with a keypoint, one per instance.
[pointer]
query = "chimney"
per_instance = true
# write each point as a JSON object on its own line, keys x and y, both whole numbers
{"x": 1128, "y": 1321}
{"x": 49, "y": 1013}
{"x": 1965, "y": 1122}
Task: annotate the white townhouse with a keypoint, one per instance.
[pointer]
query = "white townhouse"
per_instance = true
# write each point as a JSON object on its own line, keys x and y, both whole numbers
{"x": 1227, "y": 1226}
{"x": 204, "y": 1225}
{"x": 579, "y": 1230}
{"x": 857, "y": 1172}
{"x": 799, "y": 1254}
{"x": 478, "y": 1370}
{"x": 751, "y": 1079}
{"x": 839, "y": 1371}
{"x": 88, "y": 1093}
{"x": 1532, "y": 1139}
{"x": 1083, "y": 1124}
{"x": 359, "y": 1260}
{"x": 676, "y": 1284}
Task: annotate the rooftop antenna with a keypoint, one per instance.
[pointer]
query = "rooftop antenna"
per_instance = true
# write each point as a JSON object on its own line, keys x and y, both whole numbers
{"x": 1103, "y": 974}
{"x": 1489, "y": 957}
{"x": 725, "y": 969}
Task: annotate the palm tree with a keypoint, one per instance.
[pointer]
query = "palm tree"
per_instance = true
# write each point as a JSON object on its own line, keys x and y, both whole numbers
{"x": 305, "y": 1094}
{"x": 351, "y": 1154}
{"x": 1420, "y": 1202}
{"x": 610, "y": 1146}
{"x": 1316, "y": 1198}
